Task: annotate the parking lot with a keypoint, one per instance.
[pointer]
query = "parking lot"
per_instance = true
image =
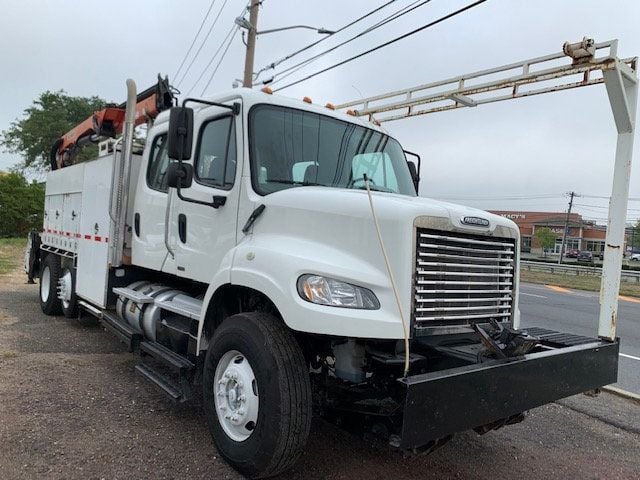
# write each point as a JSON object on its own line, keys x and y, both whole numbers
{"x": 72, "y": 407}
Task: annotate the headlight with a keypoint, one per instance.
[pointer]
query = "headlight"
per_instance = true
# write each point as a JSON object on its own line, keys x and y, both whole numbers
{"x": 334, "y": 293}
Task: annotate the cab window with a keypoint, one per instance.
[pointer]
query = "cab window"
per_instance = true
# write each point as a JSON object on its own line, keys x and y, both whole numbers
{"x": 216, "y": 153}
{"x": 158, "y": 163}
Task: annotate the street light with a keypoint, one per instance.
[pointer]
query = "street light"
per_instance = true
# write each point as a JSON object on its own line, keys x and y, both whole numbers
{"x": 244, "y": 23}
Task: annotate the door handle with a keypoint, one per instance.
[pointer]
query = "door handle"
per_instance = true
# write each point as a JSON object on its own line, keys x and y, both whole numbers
{"x": 136, "y": 224}
{"x": 182, "y": 227}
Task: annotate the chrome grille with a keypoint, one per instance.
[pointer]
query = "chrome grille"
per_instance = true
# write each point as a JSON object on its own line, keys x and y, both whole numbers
{"x": 461, "y": 278}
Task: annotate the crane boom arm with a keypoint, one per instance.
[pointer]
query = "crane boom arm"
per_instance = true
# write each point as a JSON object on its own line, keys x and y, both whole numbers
{"x": 109, "y": 122}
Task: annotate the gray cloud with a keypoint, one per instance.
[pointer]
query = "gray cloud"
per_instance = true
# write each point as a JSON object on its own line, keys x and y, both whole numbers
{"x": 548, "y": 144}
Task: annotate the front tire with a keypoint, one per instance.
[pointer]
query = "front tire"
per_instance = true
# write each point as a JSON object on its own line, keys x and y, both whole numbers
{"x": 49, "y": 278}
{"x": 257, "y": 394}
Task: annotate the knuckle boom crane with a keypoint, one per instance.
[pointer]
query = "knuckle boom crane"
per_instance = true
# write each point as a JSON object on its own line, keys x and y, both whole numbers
{"x": 109, "y": 122}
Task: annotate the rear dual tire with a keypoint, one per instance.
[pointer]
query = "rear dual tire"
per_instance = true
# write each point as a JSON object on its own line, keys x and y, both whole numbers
{"x": 52, "y": 277}
{"x": 265, "y": 432}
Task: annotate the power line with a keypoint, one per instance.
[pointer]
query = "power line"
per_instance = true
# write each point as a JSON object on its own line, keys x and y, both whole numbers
{"x": 313, "y": 44}
{"x": 186, "y": 55}
{"x": 219, "y": 62}
{"x": 233, "y": 29}
{"x": 215, "y": 20}
{"x": 204, "y": 70}
{"x": 403, "y": 11}
{"x": 602, "y": 197}
{"x": 603, "y": 207}
{"x": 506, "y": 197}
{"x": 378, "y": 47}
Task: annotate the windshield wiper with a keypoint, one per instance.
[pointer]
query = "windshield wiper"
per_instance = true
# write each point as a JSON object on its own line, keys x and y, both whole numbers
{"x": 295, "y": 182}
{"x": 375, "y": 188}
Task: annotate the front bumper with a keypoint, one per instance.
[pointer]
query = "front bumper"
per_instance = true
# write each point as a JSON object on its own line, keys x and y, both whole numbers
{"x": 442, "y": 403}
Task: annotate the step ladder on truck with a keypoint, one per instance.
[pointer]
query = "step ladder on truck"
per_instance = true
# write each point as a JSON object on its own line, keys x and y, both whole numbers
{"x": 272, "y": 257}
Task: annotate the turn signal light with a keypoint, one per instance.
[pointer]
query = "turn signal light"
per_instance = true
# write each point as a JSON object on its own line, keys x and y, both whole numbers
{"x": 330, "y": 106}
{"x": 307, "y": 100}
{"x": 351, "y": 112}
{"x": 266, "y": 90}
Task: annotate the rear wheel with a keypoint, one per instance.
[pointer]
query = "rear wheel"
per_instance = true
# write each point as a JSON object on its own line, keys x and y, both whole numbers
{"x": 257, "y": 394}
{"x": 49, "y": 278}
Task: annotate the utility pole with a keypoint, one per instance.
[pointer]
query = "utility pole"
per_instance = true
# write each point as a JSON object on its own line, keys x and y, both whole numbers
{"x": 566, "y": 227}
{"x": 251, "y": 44}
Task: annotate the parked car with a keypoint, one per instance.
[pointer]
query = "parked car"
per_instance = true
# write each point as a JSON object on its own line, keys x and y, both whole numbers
{"x": 585, "y": 257}
{"x": 572, "y": 253}
{"x": 635, "y": 257}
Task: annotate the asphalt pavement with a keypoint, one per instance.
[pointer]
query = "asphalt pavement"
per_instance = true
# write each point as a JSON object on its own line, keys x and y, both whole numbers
{"x": 576, "y": 311}
{"x": 72, "y": 407}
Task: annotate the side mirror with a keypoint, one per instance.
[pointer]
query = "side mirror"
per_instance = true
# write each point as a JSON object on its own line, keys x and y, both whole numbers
{"x": 414, "y": 169}
{"x": 414, "y": 174}
{"x": 179, "y": 173}
{"x": 180, "y": 135}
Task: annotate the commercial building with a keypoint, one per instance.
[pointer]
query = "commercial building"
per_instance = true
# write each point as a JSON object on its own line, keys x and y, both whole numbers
{"x": 581, "y": 234}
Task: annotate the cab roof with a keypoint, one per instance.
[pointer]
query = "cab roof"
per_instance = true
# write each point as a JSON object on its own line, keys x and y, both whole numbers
{"x": 250, "y": 97}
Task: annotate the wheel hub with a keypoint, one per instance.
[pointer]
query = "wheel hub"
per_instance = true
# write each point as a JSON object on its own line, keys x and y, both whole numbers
{"x": 236, "y": 396}
{"x": 64, "y": 288}
{"x": 45, "y": 283}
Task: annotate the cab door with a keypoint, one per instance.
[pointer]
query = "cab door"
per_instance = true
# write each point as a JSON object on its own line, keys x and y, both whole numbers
{"x": 150, "y": 233}
{"x": 206, "y": 234}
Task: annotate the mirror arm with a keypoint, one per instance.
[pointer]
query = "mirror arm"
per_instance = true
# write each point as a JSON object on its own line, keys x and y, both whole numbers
{"x": 218, "y": 200}
{"x": 235, "y": 107}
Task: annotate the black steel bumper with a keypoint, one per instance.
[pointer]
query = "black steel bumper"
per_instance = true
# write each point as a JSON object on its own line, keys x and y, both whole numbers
{"x": 441, "y": 403}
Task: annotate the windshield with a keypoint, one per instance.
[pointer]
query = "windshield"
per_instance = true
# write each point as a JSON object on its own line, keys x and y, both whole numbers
{"x": 292, "y": 148}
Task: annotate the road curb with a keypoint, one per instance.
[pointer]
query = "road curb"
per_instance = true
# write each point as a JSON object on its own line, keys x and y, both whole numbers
{"x": 622, "y": 393}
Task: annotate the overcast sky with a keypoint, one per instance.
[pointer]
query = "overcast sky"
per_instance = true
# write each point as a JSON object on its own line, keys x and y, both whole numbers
{"x": 540, "y": 146}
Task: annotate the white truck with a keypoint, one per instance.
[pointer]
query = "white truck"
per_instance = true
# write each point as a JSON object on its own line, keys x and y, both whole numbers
{"x": 272, "y": 256}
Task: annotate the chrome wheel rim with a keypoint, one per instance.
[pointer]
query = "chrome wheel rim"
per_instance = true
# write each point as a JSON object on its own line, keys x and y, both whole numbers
{"x": 236, "y": 396}
{"x": 65, "y": 285}
{"x": 45, "y": 284}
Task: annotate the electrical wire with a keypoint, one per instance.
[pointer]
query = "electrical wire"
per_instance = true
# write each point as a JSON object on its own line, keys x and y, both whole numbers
{"x": 215, "y": 20}
{"x": 603, "y": 207}
{"x": 403, "y": 11}
{"x": 204, "y": 70}
{"x": 386, "y": 44}
{"x": 186, "y": 55}
{"x": 215, "y": 70}
{"x": 213, "y": 57}
{"x": 506, "y": 197}
{"x": 405, "y": 329}
{"x": 313, "y": 44}
{"x": 602, "y": 197}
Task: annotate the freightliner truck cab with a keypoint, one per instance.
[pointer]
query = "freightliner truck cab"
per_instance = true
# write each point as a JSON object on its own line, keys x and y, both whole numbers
{"x": 273, "y": 257}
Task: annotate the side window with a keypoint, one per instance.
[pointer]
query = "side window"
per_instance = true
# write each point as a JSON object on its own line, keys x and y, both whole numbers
{"x": 158, "y": 163}
{"x": 216, "y": 154}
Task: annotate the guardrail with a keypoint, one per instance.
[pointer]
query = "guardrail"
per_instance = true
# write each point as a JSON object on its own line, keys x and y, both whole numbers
{"x": 626, "y": 275}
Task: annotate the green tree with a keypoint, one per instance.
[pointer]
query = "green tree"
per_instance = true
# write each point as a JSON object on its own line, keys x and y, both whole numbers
{"x": 545, "y": 238}
{"x": 633, "y": 236}
{"x": 21, "y": 205}
{"x": 50, "y": 116}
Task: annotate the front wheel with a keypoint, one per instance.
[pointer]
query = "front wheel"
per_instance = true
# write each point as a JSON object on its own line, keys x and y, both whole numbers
{"x": 257, "y": 394}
